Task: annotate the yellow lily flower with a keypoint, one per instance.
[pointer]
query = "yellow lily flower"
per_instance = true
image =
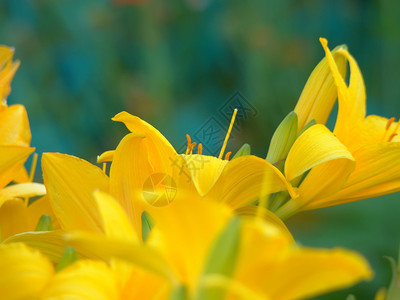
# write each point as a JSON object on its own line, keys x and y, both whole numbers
{"x": 27, "y": 274}
{"x": 7, "y": 71}
{"x": 261, "y": 261}
{"x": 237, "y": 182}
{"x": 368, "y": 166}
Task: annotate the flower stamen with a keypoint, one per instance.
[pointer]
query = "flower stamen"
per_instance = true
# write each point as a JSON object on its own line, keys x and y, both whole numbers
{"x": 227, "y": 155}
{"x": 228, "y": 134}
{"x": 392, "y": 136}
{"x": 200, "y": 149}
{"x": 192, "y": 147}
{"x": 189, "y": 143}
{"x": 388, "y": 124}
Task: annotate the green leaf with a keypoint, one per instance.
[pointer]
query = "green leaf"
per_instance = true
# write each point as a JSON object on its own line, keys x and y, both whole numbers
{"x": 69, "y": 256}
{"x": 44, "y": 224}
{"x": 282, "y": 140}
{"x": 147, "y": 225}
{"x": 393, "y": 292}
{"x": 243, "y": 151}
{"x": 221, "y": 258}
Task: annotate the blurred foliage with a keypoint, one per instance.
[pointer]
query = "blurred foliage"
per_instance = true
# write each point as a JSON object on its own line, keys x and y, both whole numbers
{"x": 174, "y": 63}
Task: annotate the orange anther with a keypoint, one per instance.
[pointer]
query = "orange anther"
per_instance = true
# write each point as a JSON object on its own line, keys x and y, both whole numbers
{"x": 200, "y": 149}
{"x": 192, "y": 147}
{"x": 189, "y": 145}
{"x": 391, "y": 137}
{"x": 227, "y": 155}
{"x": 389, "y": 122}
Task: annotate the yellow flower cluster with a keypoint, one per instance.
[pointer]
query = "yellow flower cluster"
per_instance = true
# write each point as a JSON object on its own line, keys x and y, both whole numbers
{"x": 165, "y": 225}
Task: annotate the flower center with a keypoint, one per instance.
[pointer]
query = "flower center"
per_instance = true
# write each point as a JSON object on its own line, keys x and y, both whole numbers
{"x": 190, "y": 145}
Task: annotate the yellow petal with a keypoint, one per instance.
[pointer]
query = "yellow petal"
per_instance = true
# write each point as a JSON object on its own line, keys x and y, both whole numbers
{"x": 140, "y": 255}
{"x": 12, "y": 159}
{"x": 145, "y": 285}
{"x": 22, "y": 190}
{"x": 377, "y": 173}
{"x": 15, "y": 217}
{"x": 83, "y": 280}
{"x": 24, "y": 272}
{"x": 134, "y": 182}
{"x": 266, "y": 216}
{"x": 176, "y": 234}
{"x": 154, "y": 138}
{"x": 319, "y": 93}
{"x": 51, "y": 243}
{"x": 106, "y": 157}
{"x": 7, "y": 70}
{"x": 285, "y": 271}
{"x": 116, "y": 223}
{"x": 351, "y": 98}
{"x": 309, "y": 272}
{"x": 14, "y": 127}
{"x": 246, "y": 179}
{"x": 204, "y": 170}
{"x": 317, "y": 145}
{"x": 70, "y": 182}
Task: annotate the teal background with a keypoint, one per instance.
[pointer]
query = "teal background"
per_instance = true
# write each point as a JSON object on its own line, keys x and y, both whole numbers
{"x": 175, "y": 63}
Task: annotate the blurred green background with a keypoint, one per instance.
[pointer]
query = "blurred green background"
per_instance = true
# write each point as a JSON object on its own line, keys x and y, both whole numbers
{"x": 176, "y": 63}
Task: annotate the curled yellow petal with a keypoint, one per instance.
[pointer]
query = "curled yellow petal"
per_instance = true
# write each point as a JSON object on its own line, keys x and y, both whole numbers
{"x": 317, "y": 145}
{"x": 246, "y": 179}
{"x": 106, "y": 157}
{"x": 377, "y": 173}
{"x": 351, "y": 98}
{"x": 24, "y": 272}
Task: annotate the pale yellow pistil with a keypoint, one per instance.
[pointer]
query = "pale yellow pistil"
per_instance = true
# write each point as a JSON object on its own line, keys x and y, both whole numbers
{"x": 190, "y": 145}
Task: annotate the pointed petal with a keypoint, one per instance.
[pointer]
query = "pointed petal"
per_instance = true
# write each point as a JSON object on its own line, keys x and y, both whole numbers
{"x": 317, "y": 145}
{"x": 286, "y": 271}
{"x": 204, "y": 170}
{"x": 246, "y": 179}
{"x": 24, "y": 272}
{"x": 83, "y": 280}
{"x": 12, "y": 159}
{"x": 153, "y": 137}
{"x": 377, "y": 173}
{"x": 14, "y": 128}
{"x": 70, "y": 182}
{"x": 310, "y": 272}
{"x": 320, "y": 93}
{"x": 351, "y": 98}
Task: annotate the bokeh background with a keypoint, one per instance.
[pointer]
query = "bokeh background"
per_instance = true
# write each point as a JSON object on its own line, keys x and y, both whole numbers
{"x": 176, "y": 63}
